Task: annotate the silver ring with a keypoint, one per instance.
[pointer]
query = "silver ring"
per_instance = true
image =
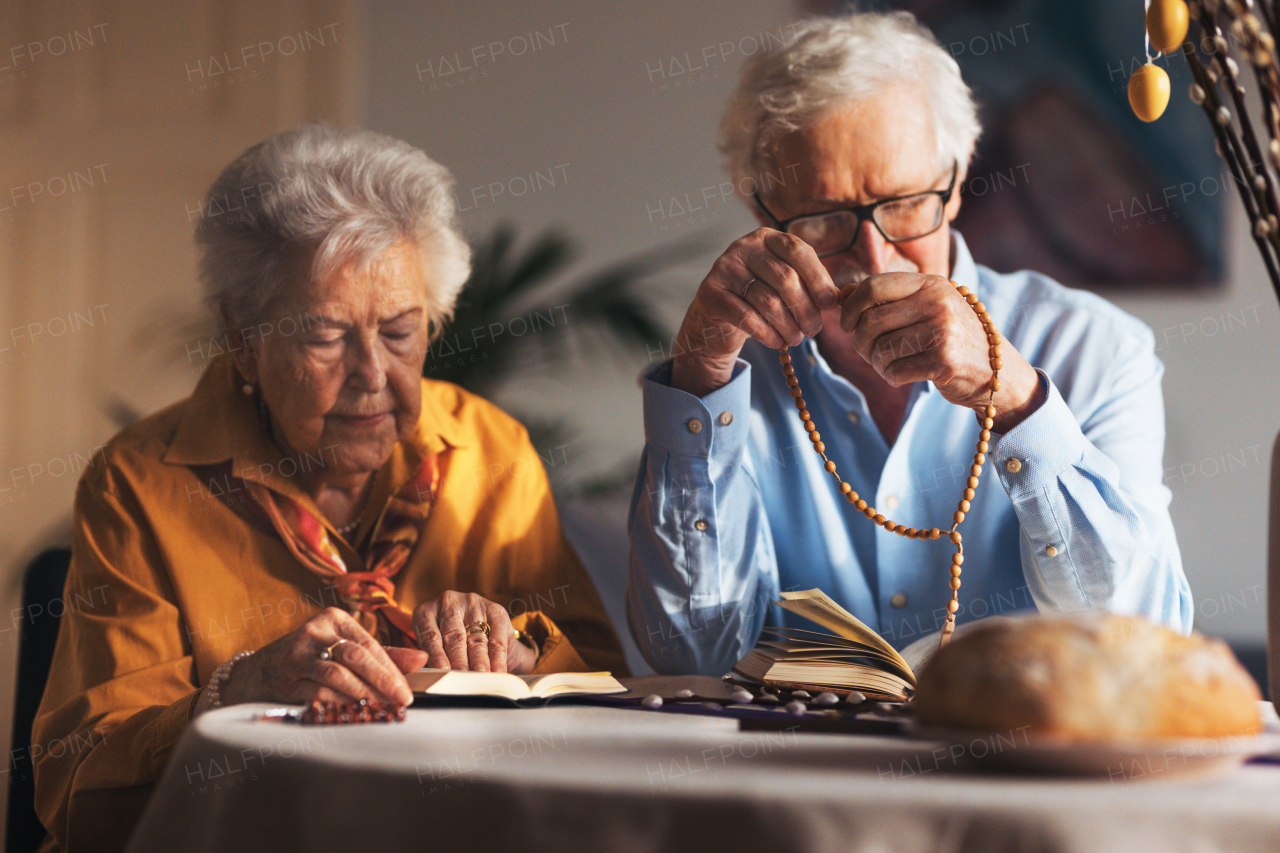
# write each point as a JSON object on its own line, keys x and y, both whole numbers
{"x": 327, "y": 654}
{"x": 746, "y": 288}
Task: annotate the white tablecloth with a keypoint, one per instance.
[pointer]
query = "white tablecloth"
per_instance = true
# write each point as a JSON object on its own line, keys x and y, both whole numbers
{"x": 577, "y": 778}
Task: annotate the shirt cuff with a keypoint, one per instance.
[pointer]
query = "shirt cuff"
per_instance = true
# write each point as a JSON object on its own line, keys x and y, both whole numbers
{"x": 1034, "y": 453}
{"x": 680, "y": 424}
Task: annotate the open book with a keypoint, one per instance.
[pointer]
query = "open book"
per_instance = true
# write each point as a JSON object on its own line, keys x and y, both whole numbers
{"x": 503, "y": 685}
{"x": 852, "y": 658}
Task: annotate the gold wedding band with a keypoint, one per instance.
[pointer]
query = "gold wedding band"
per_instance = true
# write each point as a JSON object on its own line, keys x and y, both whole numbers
{"x": 327, "y": 654}
{"x": 478, "y": 628}
{"x": 746, "y": 288}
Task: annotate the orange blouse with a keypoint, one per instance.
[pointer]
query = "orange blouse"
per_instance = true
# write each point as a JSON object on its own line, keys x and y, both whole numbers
{"x": 181, "y": 575}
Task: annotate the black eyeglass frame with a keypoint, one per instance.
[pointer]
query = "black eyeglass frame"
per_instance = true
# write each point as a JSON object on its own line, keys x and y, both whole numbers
{"x": 865, "y": 212}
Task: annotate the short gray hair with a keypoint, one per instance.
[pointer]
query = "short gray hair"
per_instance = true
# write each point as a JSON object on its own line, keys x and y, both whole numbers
{"x": 835, "y": 61}
{"x": 349, "y": 194}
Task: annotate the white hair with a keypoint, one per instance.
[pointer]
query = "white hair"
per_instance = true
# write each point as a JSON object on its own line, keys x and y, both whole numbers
{"x": 837, "y": 61}
{"x": 347, "y": 194}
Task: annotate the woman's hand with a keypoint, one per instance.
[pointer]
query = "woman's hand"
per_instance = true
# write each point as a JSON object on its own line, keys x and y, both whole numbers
{"x": 292, "y": 670}
{"x": 441, "y": 627}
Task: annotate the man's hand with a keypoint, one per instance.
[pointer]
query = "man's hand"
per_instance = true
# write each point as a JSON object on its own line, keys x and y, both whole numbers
{"x": 783, "y": 305}
{"x": 913, "y": 327}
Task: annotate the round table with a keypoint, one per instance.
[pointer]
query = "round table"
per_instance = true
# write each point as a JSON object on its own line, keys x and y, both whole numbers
{"x": 581, "y": 778}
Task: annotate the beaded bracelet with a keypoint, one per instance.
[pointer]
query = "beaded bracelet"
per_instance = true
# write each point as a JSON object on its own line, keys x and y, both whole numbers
{"x": 994, "y": 354}
{"x": 219, "y": 678}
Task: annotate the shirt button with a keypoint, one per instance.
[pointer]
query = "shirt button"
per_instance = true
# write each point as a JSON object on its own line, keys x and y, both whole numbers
{"x": 899, "y": 600}
{"x": 854, "y": 417}
{"x": 695, "y": 425}
{"x": 726, "y": 418}
{"x": 1051, "y": 551}
{"x": 891, "y": 502}
{"x": 700, "y": 524}
{"x": 1013, "y": 466}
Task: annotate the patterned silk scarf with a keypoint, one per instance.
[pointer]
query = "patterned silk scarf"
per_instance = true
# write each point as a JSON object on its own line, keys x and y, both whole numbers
{"x": 366, "y": 589}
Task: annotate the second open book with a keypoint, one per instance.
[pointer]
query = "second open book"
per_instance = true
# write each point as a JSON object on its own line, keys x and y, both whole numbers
{"x": 852, "y": 657}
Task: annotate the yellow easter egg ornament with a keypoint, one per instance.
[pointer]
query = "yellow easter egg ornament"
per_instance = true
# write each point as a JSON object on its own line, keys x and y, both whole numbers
{"x": 1167, "y": 24}
{"x": 1149, "y": 92}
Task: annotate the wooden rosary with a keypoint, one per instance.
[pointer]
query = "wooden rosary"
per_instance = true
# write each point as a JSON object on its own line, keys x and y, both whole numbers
{"x": 975, "y": 471}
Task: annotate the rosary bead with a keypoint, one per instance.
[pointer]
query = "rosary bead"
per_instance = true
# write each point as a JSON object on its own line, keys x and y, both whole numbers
{"x": 799, "y": 404}
{"x": 991, "y": 410}
{"x": 996, "y": 351}
{"x": 995, "y": 383}
{"x": 982, "y": 448}
{"x": 962, "y": 290}
{"x": 815, "y": 436}
{"x": 830, "y": 466}
{"x": 979, "y": 458}
{"x": 971, "y": 298}
{"x": 955, "y": 583}
{"x": 964, "y": 506}
{"x": 957, "y": 558}
{"x": 956, "y": 538}
{"x": 870, "y": 512}
{"x": 845, "y": 488}
{"x": 900, "y": 529}
{"x": 994, "y": 338}
{"x": 878, "y": 519}
{"x": 859, "y": 504}
{"x": 852, "y": 497}
{"x": 809, "y": 426}
{"x": 972, "y": 482}
{"x": 793, "y": 382}
{"x": 968, "y": 494}
{"x": 934, "y": 533}
{"x": 788, "y": 370}
{"x": 795, "y": 395}
{"x": 981, "y": 309}
{"x": 888, "y": 525}
{"x": 985, "y": 435}
{"x": 953, "y": 606}
{"x": 988, "y": 423}
{"x": 784, "y": 357}
{"x": 997, "y": 363}
{"x": 804, "y": 416}
{"x": 955, "y": 571}
{"x": 822, "y": 448}
{"x": 958, "y": 517}
{"x": 912, "y": 533}
{"x": 975, "y": 470}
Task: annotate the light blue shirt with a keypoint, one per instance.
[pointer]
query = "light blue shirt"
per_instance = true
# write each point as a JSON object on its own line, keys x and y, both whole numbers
{"x": 731, "y": 509}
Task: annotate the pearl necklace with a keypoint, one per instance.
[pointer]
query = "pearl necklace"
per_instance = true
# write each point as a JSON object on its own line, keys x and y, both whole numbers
{"x": 975, "y": 471}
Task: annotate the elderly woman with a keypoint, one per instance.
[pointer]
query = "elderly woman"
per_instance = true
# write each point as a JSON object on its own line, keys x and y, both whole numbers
{"x": 316, "y": 519}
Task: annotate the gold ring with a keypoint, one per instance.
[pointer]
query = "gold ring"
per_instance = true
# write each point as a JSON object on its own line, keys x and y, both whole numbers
{"x": 478, "y": 628}
{"x": 746, "y": 288}
{"x": 327, "y": 654}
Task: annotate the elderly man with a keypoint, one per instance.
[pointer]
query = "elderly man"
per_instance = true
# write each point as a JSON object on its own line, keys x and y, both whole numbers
{"x": 872, "y": 129}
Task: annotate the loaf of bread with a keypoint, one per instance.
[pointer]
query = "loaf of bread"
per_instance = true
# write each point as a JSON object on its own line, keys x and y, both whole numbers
{"x": 1087, "y": 678}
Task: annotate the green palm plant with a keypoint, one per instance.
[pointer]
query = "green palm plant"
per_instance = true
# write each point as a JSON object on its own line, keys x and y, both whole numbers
{"x": 513, "y": 312}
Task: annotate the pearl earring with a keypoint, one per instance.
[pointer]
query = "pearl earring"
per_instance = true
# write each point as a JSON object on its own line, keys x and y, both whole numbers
{"x": 247, "y": 388}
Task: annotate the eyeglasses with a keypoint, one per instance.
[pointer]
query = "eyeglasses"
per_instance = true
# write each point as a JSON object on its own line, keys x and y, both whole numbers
{"x": 899, "y": 219}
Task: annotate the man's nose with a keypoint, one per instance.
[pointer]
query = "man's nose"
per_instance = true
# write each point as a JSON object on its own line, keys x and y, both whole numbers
{"x": 871, "y": 252}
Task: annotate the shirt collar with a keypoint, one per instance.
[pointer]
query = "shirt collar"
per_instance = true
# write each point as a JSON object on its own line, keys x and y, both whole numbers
{"x": 220, "y": 423}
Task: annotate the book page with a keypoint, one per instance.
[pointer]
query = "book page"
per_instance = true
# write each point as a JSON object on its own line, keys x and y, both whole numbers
{"x": 455, "y": 682}
{"x": 816, "y": 606}
{"x": 557, "y": 683}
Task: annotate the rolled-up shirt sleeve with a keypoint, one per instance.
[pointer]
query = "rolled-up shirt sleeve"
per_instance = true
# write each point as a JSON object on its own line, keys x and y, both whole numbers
{"x": 702, "y": 566}
{"x": 1088, "y": 491}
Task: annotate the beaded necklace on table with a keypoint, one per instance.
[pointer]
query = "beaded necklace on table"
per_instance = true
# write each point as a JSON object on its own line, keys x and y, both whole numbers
{"x": 994, "y": 353}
